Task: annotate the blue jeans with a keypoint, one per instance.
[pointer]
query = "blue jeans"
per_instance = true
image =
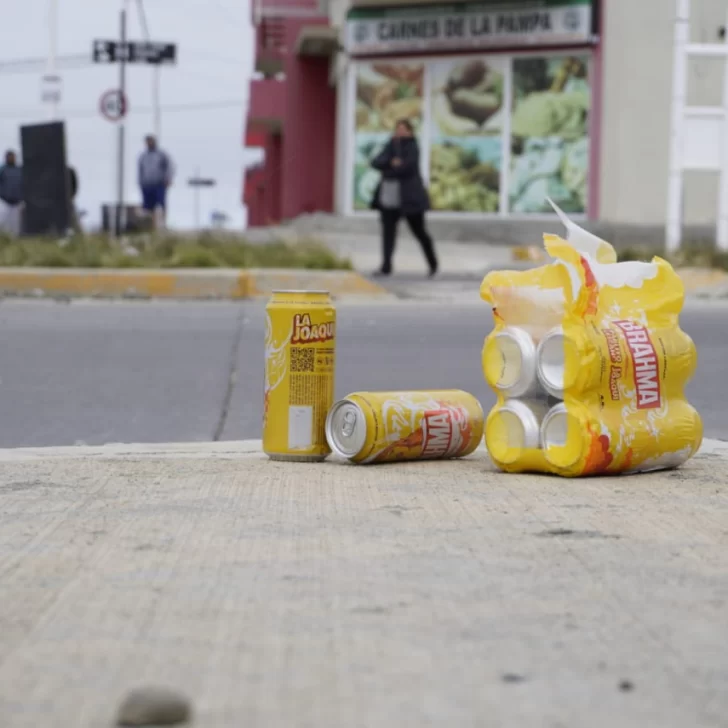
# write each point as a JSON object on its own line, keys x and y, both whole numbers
{"x": 154, "y": 196}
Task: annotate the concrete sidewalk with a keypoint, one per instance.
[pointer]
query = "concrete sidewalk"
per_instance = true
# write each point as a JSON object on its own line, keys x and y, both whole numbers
{"x": 464, "y": 265}
{"x": 422, "y": 594}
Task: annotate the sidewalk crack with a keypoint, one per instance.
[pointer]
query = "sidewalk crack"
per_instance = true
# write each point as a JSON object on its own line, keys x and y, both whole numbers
{"x": 232, "y": 374}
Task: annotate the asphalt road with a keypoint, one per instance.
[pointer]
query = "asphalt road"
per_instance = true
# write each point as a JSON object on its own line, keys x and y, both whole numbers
{"x": 97, "y": 372}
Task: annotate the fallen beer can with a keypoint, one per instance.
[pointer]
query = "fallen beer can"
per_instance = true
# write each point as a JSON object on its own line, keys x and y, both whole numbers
{"x": 381, "y": 427}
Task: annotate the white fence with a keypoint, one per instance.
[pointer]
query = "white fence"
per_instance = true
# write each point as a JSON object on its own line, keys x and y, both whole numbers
{"x": 699, "y": 134}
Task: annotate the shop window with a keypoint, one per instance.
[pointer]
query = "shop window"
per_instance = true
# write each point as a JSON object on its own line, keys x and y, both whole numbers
{"x": 497, "y": 133}
{"x": 549, "y": 134}
{"x": 385, "y": 92}
{"x": 466, "y": 134}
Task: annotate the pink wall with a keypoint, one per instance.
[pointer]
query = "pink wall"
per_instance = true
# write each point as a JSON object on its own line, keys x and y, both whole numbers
{"x": 262, "y": 191}
{"x": 308, "y": 132}
{"x": 298, "y": 173}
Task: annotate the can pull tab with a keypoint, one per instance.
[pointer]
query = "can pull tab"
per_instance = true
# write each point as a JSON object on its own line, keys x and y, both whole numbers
{"x": 348, "y": 425}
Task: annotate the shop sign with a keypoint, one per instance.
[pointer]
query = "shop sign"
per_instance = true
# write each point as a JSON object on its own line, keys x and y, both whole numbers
{"x": 468, "y": 26}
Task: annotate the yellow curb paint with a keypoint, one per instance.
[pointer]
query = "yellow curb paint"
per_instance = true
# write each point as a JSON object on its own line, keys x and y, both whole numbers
{"x": 338, "y": 283}
{"x": 190, "y": 284}
{"x": 243, "y": 285}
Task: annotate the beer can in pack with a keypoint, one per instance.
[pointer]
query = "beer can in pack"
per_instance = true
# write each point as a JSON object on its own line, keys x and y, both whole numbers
{"x": 555, "y": 429}
{"x": 300, "y": 341}
{"x": 551, "y": 362}
{"x": 382, "y": 427}
{"x": 509, "y": 362}
{"x": 513, "y": 427}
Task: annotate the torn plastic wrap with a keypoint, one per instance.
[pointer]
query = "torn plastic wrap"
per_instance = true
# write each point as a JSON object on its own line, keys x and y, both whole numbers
{"x": 588, "y": 363}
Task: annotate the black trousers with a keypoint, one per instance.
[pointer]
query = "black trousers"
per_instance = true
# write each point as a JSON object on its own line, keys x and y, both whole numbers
{"x": 390, "y": 222}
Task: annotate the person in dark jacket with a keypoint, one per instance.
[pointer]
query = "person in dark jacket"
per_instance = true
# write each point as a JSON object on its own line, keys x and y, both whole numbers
{"x": 401, "y": 193}
{"x": 11, "y": 195}
{"x": 72, "y": 192}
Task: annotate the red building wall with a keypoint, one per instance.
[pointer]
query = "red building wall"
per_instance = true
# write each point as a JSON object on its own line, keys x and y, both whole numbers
{"x": 298, "y": 172}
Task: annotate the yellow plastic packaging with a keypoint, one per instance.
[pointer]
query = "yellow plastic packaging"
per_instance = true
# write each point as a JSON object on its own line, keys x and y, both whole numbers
{"x": 609, "y": 346}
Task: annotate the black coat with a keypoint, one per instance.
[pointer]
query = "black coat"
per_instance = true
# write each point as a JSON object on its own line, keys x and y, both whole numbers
{"x": 414, "y": 196}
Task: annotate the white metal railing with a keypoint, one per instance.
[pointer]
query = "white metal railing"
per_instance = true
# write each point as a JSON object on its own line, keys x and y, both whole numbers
{"x": 698, "y": 134}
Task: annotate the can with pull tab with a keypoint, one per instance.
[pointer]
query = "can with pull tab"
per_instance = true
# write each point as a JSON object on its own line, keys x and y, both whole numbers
{"x": 381, "y": 427}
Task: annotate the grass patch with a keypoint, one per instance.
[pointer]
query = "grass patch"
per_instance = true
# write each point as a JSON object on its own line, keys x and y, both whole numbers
{"x": 167, "y": 251}
{"x": 691, "y": 255}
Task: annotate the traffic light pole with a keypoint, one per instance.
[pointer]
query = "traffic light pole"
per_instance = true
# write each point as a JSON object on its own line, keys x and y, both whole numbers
{"x": 118, "y": 227}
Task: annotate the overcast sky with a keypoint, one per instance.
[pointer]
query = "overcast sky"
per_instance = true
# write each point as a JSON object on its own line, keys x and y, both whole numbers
{"x": 203, "y": 97}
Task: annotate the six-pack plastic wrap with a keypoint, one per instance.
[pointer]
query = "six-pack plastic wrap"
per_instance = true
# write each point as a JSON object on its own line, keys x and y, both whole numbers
{"x": 589, "y": 363}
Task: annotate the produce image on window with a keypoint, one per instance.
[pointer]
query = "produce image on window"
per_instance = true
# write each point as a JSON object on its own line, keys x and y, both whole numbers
{"x": 467, "y": 97}
{"x": 366, "y": 179}
{"x": 385, "y": 92}
{"x": 465, "y": 174}
{"x": 550, "y": 134}
{"x": 466, "y": 122}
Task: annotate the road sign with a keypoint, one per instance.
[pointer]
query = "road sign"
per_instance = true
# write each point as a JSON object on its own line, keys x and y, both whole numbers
{"x": 148, "y": 52}
{"x": 201, "y": 182}
{"x": 113, "y": 105}
{"x": 50, "y": 92}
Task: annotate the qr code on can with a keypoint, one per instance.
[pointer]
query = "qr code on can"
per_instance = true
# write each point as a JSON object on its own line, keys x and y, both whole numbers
{"x": 302, "y": 359}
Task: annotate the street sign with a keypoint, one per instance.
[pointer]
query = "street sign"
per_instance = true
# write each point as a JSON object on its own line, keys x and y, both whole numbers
{"x": 50, "y": 92}
{"x": 113, "y": 105}
{"x": 201, "y": 182}
{"x": 148, "y": 52}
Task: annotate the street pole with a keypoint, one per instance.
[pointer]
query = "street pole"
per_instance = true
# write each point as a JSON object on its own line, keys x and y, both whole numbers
{"x": 155, "y": 101}
{"x": 52, "y": 51}
{"x": 197, "y": 201}
{"x": 122, "y": 128}
{"x": 155, "y": 74}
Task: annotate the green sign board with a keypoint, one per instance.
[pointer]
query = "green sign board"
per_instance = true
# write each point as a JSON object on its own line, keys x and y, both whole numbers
{"x": 480, "y": 26}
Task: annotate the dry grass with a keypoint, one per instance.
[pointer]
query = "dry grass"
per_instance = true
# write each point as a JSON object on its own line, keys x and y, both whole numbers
{"x": 693, "y": 255}
{"x": 168, "y": 251}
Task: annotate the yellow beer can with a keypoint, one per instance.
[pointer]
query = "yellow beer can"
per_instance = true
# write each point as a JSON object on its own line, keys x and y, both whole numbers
{"x": 383, "y": 427}
{"x": 300, "y": 342}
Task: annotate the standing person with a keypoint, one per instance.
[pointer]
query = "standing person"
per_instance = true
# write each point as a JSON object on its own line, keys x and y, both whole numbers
{"x": 72, "y": 192}
{"x": 11, "y": 195}
{"x": 155, "y": 176}
{"x": 402, "y": 193}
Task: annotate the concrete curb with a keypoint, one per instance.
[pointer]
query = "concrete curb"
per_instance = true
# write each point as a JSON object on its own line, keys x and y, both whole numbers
{"x": 181, "y": 283}
{"x": 704, "y": 282}
{"x": 196, "y": 450}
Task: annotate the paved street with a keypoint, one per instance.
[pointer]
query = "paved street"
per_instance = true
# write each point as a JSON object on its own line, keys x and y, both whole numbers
{"x": 99, "y": 372}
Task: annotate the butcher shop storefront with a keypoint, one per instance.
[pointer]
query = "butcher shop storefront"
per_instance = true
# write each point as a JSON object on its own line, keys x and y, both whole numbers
{"x": 502, "y": 96}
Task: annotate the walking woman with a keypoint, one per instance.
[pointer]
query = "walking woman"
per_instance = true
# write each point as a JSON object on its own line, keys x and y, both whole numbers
{"x": 402, "y": 193}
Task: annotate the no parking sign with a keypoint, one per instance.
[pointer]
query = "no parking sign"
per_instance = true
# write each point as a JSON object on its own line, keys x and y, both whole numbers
{"x": 113, "y": 105}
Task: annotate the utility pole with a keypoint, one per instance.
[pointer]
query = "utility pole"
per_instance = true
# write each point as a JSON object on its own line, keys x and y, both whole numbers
{"x": 155, "y": 73}
{"x": 118, "y": 227}
{"x": 51, "y": 82}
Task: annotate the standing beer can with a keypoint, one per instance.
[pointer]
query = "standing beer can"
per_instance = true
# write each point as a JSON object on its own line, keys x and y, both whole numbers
{"x": 300, "y": 338}
{"x": 509, "y": 362}
{"x": 382, "y": 427}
